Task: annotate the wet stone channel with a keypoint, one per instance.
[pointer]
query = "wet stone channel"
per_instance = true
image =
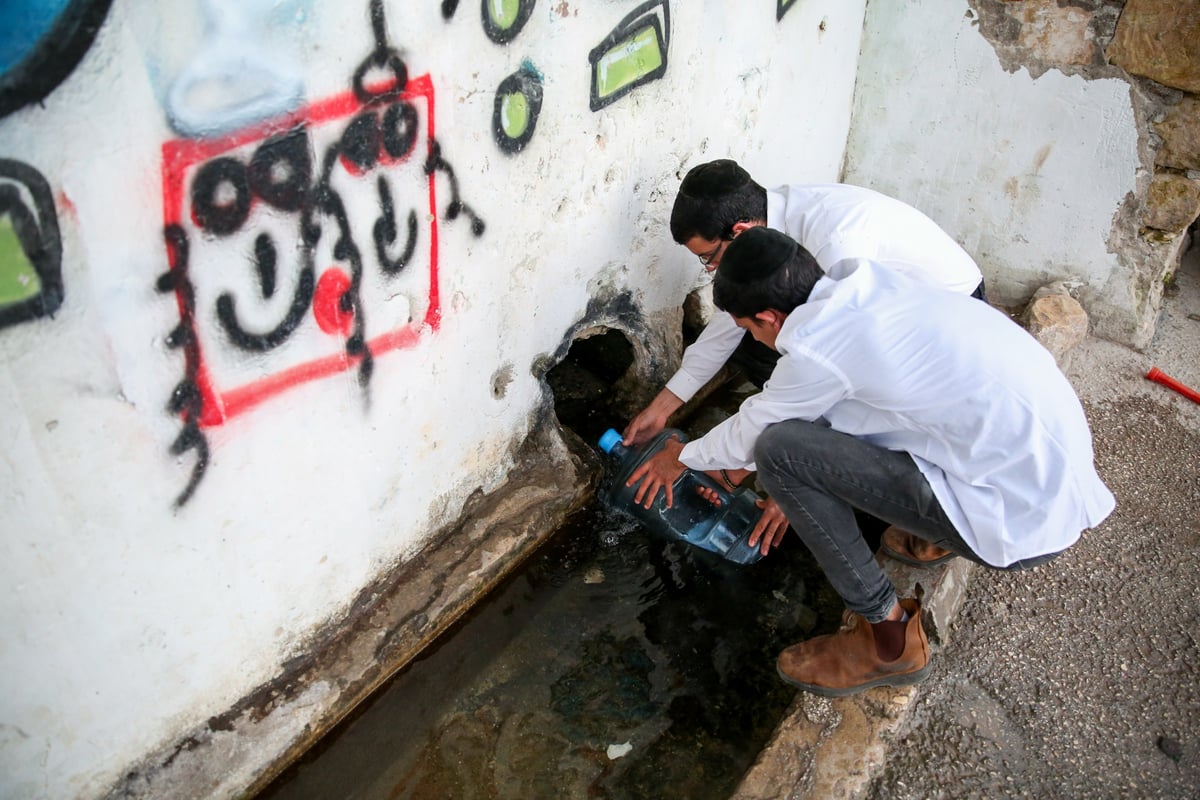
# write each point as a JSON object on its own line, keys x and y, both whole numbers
{"x": 613, "y": 664}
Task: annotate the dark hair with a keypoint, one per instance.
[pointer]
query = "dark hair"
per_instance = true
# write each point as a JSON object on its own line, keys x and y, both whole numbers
{"x": 712, "y": 198}
{"x": 764, "y": 269}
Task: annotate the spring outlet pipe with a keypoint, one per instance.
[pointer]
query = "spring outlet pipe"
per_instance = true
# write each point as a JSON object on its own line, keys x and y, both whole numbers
{"x": 1158, "y": 376}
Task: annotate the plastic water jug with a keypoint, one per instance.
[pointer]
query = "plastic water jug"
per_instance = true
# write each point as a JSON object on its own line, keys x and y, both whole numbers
{"x": 721, "y": 529}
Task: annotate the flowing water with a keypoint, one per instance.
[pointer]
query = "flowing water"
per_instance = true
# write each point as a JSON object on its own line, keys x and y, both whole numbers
{"x": 614, "y": 665}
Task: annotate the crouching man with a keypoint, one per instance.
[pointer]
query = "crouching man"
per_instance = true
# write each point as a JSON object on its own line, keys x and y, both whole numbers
{"x": 923, "y": 407}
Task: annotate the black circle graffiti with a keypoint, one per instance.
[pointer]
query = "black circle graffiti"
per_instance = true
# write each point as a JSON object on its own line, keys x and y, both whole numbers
{"x": 281, "y": 169}
{"x": 214, "y": 211}
{"x": 360, "y": 141}
{"x": 382, "y": 58}
{"x": 388, "y": 61}
{"x": 400, "y": 123}
{"x": 525, "y": 83}
{"x": 499, "y": 32}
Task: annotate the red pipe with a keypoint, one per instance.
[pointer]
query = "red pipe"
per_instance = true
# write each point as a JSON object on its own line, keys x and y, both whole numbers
{"x": 1158, "y": 376}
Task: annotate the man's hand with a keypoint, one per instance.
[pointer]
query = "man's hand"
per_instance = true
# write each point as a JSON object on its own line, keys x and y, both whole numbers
{"x": 770, "y": 528}
{"x": 652, "y": 419}
{"x": 660, "y": 471}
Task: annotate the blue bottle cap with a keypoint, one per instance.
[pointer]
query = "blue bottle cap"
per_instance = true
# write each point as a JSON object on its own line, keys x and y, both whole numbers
{"x": 609, "y": 440}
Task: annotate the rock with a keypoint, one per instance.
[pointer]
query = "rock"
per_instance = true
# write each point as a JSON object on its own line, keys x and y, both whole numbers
{"x": 1157, "y": 39}
{"x": 1170, "y": 747}
{"x": 1180, "y": 132}
{"x": 1056, "y": 320}
{"x": 1172, "y": 203}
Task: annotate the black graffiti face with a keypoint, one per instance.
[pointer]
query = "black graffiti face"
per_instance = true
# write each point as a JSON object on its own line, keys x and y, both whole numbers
{"x": 352, "y": 194}
{"x": 304, "y": 252}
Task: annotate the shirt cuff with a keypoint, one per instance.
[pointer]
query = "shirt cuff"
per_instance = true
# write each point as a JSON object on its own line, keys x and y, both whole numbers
{"x": 691, "y": 458}
{"x": 684, "y": 386}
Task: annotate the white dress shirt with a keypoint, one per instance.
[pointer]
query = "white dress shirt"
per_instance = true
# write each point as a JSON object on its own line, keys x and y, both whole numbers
{"x": 981, "y": 407}
{"x": 835, "y": 221}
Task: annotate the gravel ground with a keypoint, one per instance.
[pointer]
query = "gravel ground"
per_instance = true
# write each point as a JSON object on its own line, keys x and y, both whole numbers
{"x": 1081, "y": 678}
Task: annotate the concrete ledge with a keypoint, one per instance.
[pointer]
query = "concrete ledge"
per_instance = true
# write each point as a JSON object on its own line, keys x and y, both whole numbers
{"x": 832, "y": 747}
{"x": 237, "y": 754}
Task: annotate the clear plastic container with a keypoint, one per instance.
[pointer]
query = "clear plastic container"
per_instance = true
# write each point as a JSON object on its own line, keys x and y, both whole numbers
{"x": 721, "y": 529}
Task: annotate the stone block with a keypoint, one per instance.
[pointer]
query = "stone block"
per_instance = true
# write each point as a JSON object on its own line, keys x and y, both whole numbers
{"x": 944, "y": 589}
{"x": 1180, "y": 132}
{"x": 1157, "y": 39}
{"x": 1056, "y": 319}
{"x": 1172, "y": 202}
{"x": 832, "y": 747}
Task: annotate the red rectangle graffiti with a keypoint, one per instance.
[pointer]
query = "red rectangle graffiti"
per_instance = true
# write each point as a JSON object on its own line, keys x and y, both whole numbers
{"x": 298, "y": 236}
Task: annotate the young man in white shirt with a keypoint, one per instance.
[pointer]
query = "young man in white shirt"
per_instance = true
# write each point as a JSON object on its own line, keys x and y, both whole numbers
{"x": 914, "y": 404}
{"x": 719, "y": 200}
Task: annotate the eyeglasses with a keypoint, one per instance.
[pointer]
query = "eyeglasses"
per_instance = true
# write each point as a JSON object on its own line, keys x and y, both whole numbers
{"x": 707, "y": 258}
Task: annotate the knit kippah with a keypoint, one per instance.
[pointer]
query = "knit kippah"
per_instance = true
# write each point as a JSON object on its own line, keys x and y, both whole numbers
{"x": 756, "y": 253}
{"x": 714, "y": 179}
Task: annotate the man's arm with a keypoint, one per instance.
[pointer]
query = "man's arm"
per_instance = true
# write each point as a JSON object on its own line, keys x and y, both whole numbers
{"x": 701, "y": 361}
{"x": 652, "y": 419}
{"x": 800, "y": 388}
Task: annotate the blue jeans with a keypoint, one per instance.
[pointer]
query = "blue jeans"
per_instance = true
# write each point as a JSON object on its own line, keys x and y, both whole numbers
{"x": 819, "y": 476}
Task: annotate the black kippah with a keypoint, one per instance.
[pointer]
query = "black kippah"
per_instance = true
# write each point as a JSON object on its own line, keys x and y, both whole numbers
{"x": 756, "y": 253}
{"x": 714, "y": 179}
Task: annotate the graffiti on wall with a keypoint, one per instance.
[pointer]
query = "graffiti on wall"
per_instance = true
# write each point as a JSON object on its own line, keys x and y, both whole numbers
{"x": 632, "y": 54}
{"x": 305, "y": 246}
{"x": 782, "y": 7}
{"x": 31, "y": 284}
{"x": 516, "y": 109}
{"x": 41, "y": 43}
{"x": 518, "y": 99}
{"x": 236, "y": 76}
{"x": 504, "y": 19}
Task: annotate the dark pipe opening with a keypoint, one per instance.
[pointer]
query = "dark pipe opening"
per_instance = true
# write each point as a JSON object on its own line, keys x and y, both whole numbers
{"x": 584, "y": 382}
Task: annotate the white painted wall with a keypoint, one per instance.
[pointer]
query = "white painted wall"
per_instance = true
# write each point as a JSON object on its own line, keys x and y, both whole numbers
{"x": 1027, "y": 174}
{"x": 125, "y": 620}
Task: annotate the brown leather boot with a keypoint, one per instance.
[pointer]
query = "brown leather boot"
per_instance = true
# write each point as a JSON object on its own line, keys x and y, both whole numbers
{"x": 846, "y": 662}
{"x": 903, "y": 546}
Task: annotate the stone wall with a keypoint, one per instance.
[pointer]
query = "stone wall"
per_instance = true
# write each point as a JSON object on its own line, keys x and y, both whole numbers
{"x": 1159, "y": 41}
{"x": 1154, "y": 45}
{"x": 1056, "y": 141}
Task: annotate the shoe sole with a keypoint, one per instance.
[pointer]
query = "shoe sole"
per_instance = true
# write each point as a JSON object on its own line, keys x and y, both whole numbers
{"x": 906, "y": 679}
{"x": 914, "y": 562}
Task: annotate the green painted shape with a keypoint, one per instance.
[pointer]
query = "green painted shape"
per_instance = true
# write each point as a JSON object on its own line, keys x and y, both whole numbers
{"x": 19, "y": 281}
{"x": 628, "y": 61}
{"x": 514, "y": 114}
{"x": 504, "y": 12}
